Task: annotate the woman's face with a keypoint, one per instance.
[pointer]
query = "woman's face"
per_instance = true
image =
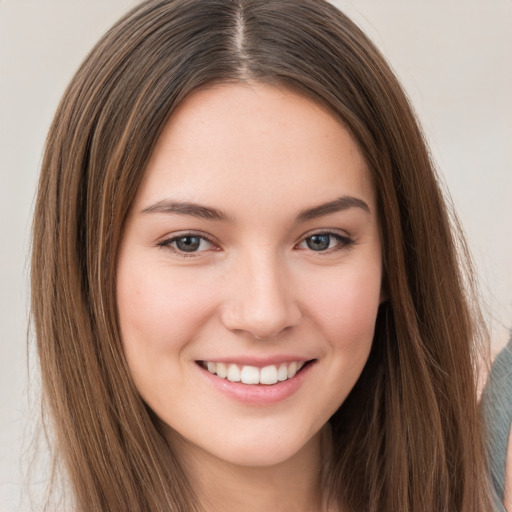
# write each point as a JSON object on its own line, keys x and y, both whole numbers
{"x": 249, "y": 274}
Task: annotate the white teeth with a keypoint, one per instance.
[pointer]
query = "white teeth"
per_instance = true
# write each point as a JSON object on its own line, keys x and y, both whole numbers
{"x": 222, "y": 371}
{"x": 282, "y": 373}
{"x": 233, "y": 373}
{"x": 252, "y": 375}
{"x": 292, "y": 370}
{"x": 268, "y": 375}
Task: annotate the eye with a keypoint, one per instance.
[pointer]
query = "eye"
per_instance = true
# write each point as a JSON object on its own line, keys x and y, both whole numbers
{"x": 188, "y": 244}
{"x": 325, "y": 242}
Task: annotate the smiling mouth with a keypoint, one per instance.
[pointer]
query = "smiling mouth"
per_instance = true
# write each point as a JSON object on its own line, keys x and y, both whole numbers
{"x": 253, "y": 375}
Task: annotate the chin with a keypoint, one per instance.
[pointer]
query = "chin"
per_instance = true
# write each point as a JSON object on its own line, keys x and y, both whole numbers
{"x": 252, "y": 447}
{"x": 263, "y": 455}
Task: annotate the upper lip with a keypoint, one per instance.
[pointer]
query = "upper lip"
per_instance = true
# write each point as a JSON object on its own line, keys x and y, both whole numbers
{"x": 259, "y": 362}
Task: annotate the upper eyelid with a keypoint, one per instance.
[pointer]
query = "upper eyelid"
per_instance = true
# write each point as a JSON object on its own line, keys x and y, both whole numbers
{"x": 329, "y": 231}
{"x": 167, "y": 242}
{"x": 346, "y": 241}
{"x": 168, "y": 239}
{"x": 182, "y": 234}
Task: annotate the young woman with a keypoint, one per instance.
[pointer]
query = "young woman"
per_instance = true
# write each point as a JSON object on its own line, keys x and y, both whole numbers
{"x": 246, "y": 290}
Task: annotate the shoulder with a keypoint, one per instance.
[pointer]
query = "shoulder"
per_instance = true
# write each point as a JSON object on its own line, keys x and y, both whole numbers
{"x": 497, "y": 409}
{"x": 507, "y": 498}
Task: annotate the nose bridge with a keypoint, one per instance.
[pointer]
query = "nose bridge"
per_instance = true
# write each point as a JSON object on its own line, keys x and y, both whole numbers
{"x": 262, "y": 301}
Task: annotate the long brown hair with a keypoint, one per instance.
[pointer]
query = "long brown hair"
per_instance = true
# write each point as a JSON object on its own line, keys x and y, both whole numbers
{"x": 408, "y": 437}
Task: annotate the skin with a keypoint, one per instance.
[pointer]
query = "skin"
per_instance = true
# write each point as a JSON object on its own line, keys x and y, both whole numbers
{"x": 254, "y": 287}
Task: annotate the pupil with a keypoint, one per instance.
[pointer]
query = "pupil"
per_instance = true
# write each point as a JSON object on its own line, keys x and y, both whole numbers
{"x": 188, "y": 243}
{"x": 318, "y": 242}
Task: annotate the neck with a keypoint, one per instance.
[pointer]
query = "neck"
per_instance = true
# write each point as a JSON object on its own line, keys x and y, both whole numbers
{"x": 294, "y": 485}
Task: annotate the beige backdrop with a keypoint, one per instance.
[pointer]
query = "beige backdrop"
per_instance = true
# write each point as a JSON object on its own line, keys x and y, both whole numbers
{"x": 453, "y": 57}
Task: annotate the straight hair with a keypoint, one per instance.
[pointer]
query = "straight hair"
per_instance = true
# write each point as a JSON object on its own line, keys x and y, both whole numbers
{"x": 409, "y": 435}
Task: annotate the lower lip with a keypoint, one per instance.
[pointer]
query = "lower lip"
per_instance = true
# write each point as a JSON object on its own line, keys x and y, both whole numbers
{"x": 258, "y": 394}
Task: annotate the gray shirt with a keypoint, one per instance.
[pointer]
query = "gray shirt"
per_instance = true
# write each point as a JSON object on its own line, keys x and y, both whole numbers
{"x": 497, "y": 410}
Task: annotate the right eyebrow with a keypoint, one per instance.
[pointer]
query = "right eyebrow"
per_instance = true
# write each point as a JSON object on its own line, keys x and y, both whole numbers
{"x": 187, "y": 208}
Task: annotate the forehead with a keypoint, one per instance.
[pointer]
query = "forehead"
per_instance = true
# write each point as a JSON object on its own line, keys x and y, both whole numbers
{"x": 254, "y": 143}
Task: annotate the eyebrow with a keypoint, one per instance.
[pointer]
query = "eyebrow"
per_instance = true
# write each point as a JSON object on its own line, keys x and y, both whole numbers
{"x": 210, "y": 213}
{"x": 338, "y": 205}
{"x": 187, "y": 208}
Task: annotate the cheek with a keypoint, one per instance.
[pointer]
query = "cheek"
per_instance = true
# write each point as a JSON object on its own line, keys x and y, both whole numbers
{"x": 345, "y": 307}
{"x": 158, "y": 309}
{"x": 160, "y": 314}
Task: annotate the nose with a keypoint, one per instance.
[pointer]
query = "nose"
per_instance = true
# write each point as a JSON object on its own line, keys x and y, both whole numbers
{"x": 261, "y": 300}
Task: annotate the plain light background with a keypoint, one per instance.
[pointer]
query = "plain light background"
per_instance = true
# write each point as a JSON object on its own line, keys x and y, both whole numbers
{"x": 453, "y": 57}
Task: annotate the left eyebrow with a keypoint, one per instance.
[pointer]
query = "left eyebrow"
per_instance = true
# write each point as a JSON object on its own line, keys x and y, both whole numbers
{"x": 338, "y": 205}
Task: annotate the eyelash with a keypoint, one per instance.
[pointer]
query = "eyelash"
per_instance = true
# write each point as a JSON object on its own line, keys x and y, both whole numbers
{"x": 344, "y": 243}
{"x": 167, "y": 244}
